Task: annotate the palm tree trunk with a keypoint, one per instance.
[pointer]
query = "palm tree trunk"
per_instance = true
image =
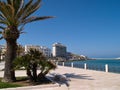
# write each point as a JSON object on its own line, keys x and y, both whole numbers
{"x": 9, "y": 73}
{"x": 30, "y": 77}
{"x": 34, "y": 70}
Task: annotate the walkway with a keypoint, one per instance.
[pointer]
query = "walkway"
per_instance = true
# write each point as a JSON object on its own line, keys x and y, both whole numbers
{"x": 80, "y": 79}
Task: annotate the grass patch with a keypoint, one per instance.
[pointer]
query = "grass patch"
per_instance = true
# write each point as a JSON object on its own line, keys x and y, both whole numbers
{"x": 22, "y": 81}
{"x": 8, "y": 85}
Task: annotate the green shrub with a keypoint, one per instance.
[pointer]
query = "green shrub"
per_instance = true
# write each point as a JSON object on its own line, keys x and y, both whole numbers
{"x": 33, "y": 60}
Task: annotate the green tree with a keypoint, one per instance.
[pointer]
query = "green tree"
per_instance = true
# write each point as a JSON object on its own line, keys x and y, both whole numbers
{"x": 14, "y": 15}
{"x": 32, "y": 61}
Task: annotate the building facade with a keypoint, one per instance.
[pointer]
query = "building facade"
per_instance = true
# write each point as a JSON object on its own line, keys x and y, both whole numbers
{"x": 59, "y": 50}
{"x": 2, "y": 51}
{"x": 28, "y": 47}
{"x": 46, "y": 51}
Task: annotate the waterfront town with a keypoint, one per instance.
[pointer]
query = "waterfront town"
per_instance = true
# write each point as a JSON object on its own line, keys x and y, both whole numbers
{"x": 59, "y": 52}
{"x": 91, "y": 25}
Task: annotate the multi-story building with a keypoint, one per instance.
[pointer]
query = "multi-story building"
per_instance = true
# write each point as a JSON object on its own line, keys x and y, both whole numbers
{"x": 46, "y": 51}
{"x": 28, "y": 47}
{"x": 59, "y": 50}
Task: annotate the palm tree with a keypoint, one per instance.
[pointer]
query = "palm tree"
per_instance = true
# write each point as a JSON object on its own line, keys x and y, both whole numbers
{"x": 33, "y": 60}
{"x": 14, "y": 15}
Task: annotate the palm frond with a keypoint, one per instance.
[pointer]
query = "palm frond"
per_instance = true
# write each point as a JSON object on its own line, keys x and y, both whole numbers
{"x": 31, "y": 8}
{"x": 0, "y": 32}
{"x": 6, "y": 11}
{"x": 32, "y": 19}
{"x": 27, "y": 5}
{"x": 2, "y": 16}
{"x": 17, "y": 12}
{"x": 4, "y": 22}
{"x": 22, "y": 11}
{"x": 1, "y": 27}
{"x": 17, "y": 4}
{"x": 1, "y": 38}
{"x": 22, "y": 27}
{"x": 10, "y": 9}
{"x": 22, "y": 32}
{"x": 10, "y": 2}
{"x": 3, "y": 19}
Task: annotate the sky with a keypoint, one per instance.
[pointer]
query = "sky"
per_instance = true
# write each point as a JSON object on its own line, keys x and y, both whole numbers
{"x": 86, "y": 27}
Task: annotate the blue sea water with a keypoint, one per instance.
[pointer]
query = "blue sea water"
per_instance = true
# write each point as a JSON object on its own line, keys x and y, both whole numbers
{"x": 101, "y": 62}
{"x": 99, "y": 65}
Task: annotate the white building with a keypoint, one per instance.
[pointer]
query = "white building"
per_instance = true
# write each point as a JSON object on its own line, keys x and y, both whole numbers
{"x": 28, "y": 47}
{"x": 46, "y": 51}
{"x": 2, "y": 51}
{"x": 59, "y": 50}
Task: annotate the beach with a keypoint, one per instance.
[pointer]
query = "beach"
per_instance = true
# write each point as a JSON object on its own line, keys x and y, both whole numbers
{"x": 79, "y": 79}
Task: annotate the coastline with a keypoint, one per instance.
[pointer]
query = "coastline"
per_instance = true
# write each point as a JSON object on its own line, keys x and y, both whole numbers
{"x": 98, "y": 65}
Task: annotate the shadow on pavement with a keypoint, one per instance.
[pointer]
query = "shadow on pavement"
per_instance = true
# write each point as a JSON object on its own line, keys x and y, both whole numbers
{"x": 78, "y": 76}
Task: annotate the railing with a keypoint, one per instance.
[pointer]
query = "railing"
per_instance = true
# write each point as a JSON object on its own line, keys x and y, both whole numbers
{"x": 105, "y": 68}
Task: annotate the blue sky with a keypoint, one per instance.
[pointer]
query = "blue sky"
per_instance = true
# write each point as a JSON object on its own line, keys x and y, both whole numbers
{"x": 87, "y": 27}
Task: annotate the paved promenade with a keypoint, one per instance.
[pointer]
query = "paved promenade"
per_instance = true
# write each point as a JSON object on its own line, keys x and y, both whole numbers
{"x": 80, "y": 79}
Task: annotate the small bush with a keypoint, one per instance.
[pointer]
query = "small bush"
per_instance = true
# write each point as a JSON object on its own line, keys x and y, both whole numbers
{"x": 33, "y": 60}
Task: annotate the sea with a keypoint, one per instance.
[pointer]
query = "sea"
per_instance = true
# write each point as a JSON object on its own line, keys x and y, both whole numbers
{"x": 98, "y": 65}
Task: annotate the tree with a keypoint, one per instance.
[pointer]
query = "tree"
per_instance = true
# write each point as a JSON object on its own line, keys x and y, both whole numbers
{"x": 33, "y": 60}
{"x": 14, "y": 15}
